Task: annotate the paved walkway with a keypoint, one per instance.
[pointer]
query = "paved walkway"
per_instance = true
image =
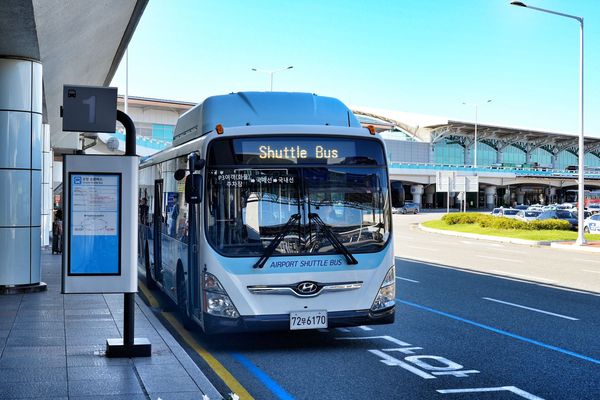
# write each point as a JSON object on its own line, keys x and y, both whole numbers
{"x": 52, "y": 347}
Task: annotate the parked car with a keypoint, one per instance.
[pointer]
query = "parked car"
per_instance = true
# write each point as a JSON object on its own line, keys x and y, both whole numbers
{"x": 521, "y": 207}
{"x": 535, "y": 207}
{"x": 594, "y": 208}
{"x": 592, "y": 224}
{"x": 559, "y": 214}
{"x": 528, "y": 215}
{"x": 496, "y": 212}
{"x": 509, "y": 212}
{"x": 410, "y": 208}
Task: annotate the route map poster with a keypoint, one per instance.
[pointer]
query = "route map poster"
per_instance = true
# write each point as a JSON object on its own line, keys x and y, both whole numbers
{"x": 95, "y": 215}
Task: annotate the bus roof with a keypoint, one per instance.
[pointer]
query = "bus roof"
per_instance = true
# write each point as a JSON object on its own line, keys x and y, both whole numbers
{"x": 261, "y": 108}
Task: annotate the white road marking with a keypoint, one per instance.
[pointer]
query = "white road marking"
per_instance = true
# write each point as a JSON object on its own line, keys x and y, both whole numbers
{"x": 365, "y": 328}
{"x": 481, "y": 243}
{"x": 531, "y": 309}
{"x": 589, "y": 270}
{"x": 406, "y": 279}
{"x": 419, "y": 247}
{"x": 343, "y": 329}
{"x": 592, "y": 261}
{"x": 501, "y": 258}
{"x": 512, "y": 389}
{"x": 394, "y": 362}
{"x": 529, "y": 277}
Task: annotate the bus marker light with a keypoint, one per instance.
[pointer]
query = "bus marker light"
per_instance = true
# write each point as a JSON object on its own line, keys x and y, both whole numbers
{"x": 371, "y": 129}
{"x": 219, "y": 129}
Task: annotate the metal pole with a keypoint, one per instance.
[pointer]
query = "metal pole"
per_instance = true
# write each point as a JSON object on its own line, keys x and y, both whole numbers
{"x": 448, "y": 198}
{"x": 475, "y": 158}
{"x": 581, "y": 187}
{"x": 272, "y": 80}
{"x": 126, "y": 80}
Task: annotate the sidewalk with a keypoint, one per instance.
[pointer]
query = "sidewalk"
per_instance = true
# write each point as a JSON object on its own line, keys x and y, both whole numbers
{"x": 52, "y": 347}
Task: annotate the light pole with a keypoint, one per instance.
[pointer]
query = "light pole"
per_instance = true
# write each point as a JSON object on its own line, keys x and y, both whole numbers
{"x": 581, "y": 187}
{"x": 476, "y": 106}
{"x": 271, "y": 72}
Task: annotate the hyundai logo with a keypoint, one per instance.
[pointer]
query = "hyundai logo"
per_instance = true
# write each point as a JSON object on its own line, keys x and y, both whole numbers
{"x": 307, "y": 288}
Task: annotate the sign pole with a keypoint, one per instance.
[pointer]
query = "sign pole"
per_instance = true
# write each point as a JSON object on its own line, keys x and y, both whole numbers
{"x": 130, "y": 347}
{"x": 448, "y": 198}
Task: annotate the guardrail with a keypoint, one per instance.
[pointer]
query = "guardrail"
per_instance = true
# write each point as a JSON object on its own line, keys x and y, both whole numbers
{"x": 519, "y": 171}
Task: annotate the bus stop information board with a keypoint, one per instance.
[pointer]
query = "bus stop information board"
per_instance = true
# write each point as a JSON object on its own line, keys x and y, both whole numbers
{"x": 95, "y": 215}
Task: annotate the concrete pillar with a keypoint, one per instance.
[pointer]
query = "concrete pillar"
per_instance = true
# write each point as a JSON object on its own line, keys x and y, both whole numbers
{"x": 20, "y": 173}
{"x": 490, "y": 197}
{"x": 46, "y": 185}
{"x": 417, "y": 192}
{"x": 554, "y": 160}
{"x": 429, "y": 192}
{"x": 520, "y": 196}
{"x": 500, "y": 155}
{"x": 467, "y": 157}
{"x": 528, "y": 156}
{"x": 431, "y": 153}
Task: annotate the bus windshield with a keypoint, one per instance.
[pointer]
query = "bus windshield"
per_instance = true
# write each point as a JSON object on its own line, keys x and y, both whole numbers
{"x": 250, "y": 199}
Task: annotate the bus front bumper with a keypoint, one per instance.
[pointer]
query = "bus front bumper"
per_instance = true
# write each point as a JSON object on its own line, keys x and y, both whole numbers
{"x": 280, "y": 322}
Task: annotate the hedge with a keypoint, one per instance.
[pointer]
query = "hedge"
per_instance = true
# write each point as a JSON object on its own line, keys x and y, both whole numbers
{"x": 488, "y": 221}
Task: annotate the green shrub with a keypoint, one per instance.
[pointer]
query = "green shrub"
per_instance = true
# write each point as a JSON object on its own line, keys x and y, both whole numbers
{"x": 460, "y": 218}
{"x": 508, "y": 223}
{"x": 550, "y": 224}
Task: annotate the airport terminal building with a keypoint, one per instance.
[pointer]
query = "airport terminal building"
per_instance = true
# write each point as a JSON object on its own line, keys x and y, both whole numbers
{"x": 514, "y": 165}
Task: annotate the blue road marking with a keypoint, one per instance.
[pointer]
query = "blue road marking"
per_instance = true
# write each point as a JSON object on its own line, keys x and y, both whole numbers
{"x": 264, "y": 378}
{"x": 501, "y": 332}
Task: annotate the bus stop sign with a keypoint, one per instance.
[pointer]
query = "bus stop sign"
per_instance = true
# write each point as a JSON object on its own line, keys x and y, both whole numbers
{"x": 89, "y": 109}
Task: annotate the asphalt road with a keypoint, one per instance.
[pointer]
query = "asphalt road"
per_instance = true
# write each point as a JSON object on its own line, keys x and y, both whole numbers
{"x": 457, "y": 335}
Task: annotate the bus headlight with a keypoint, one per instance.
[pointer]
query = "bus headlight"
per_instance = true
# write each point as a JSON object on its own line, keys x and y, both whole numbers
{"x": 216, "y": 300}
{"x": 386, "y": 297}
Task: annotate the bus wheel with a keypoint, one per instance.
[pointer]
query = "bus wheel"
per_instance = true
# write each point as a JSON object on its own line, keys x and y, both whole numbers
{"x": 182, "y": 300}
{"x": 150, "y": 283}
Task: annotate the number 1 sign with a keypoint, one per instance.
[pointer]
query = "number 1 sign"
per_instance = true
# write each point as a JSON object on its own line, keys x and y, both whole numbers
{"x": 89, "y": 109}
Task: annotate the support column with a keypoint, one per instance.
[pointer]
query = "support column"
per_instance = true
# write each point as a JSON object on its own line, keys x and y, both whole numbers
{"x": 520, "y": 196}
{"x": 554, "y": 160}
{"x": 417, "y": 192}
{"x": 500, "y": 155}
{"x": 20, "y": 174}
{"x": 467, "y": 156}
{"x": 490, "y": 197}
{"x": 429, "y": 192}
{"x": 46, "y": 185}
{"x": 432, "y": 153}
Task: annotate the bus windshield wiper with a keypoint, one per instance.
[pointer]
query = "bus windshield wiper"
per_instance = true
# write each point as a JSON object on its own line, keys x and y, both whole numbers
{"x": 276, "y": 240}
{"x": 339, "y": 246}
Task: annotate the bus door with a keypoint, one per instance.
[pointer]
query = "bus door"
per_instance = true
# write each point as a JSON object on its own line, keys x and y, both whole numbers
{"x": 194, "y": 281}
{"x": 158, "y": 227}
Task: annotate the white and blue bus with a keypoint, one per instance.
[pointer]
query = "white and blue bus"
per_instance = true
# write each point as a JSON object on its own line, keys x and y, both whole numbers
{"x": 271, "y": 211}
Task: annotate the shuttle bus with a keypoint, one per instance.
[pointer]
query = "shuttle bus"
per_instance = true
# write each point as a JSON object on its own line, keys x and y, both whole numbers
{"x": 271, "y": 211}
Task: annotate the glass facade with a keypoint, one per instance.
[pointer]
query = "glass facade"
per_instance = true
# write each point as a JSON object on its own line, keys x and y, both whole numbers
{"x": 449, "y": 151}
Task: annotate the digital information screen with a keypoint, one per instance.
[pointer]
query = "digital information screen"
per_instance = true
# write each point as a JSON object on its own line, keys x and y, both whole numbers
{"x": 94, "y": 223}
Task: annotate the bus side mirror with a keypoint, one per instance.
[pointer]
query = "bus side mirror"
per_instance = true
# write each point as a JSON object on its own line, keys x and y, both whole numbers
{"x": 193, "y": 189}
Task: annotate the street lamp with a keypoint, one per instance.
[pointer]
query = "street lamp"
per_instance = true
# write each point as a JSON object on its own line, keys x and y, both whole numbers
{"x": 580, "y": 195}
{"x": 476, "y": 106}
{"x": 271, "y": 72}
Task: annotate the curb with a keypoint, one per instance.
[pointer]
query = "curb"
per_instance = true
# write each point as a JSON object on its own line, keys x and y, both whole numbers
{"x": 486, "y": 237}
{"x": 565, "y": 246}
{"x": 188, "y": 364}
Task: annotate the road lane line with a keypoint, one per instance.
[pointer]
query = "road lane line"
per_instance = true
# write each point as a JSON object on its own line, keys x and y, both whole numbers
{"x": 234, "y": 385}
{"x": 502, "y": 332}
{"x": 365, "y": 328}
{"x": 589, "y": 270}
{"x": 530, "y": 277}
{"x": 419, "y": 247}
{"x": 512, "y": 389}
{"x": 406, "y": 279}
{"x": 263, "y": 377}
{"x": 481, "y": 244}
{"x": 501, "y": 259}
{"x": 531, "y": 309}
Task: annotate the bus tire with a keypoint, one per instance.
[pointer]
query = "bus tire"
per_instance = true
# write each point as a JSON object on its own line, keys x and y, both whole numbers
{"x": 182, "y": 300}
{"x": 150, "y": 282}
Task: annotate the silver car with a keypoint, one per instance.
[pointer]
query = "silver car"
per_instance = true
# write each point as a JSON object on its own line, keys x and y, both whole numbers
{"x": 528, "y": 215}
{"x": 410, "y": 208}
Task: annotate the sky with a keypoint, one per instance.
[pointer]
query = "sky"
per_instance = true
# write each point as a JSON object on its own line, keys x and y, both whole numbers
{"x": 419, "y": 56}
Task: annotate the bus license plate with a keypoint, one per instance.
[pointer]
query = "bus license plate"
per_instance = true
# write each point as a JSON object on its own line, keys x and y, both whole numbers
{"x": 308, "y": 319}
